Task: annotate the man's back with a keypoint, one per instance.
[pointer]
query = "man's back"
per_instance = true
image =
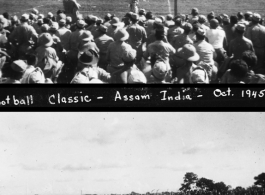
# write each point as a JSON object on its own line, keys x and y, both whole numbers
{"x": 205, "y": 51}
{"x": 74, "y": 39}
{"x": 23, "y": 34}
{"x": 137, "y": 35}
{"x": 216, "y": 37}
{"x": 256, "y": 33}
{"x": 238, "y": 46}
{"x": 64, "y": 35}
{"x": 103, "y": 42}
{"x": 173, "y": 32}
{"x": 230, "y": 32}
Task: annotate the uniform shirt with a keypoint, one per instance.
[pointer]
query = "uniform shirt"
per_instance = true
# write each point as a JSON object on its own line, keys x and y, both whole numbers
{"x": 71, "y": 8}
{"x": 103, "y": 43}
{"x": 181, "y": 40}
{"x": 256, "y": 33}
{"x": 64, "y": 35}
{"x": 74, "y": 39}
{"x": 45, "y": 52}
{"x": 149, "y": 27}
{"x": 115, "y": 52}
{"x": 230, "y": 32}
{"x": 160, "y": 48}
{"x": 137, "y": 35}
{"x": 216, "y": 38}
{"x": 174, "y": 32}
{"x": 169, "y": 23}
{"x": 205, "y": 51}
{"x": 239, "y": 45}
{"x": 23, "y": 34}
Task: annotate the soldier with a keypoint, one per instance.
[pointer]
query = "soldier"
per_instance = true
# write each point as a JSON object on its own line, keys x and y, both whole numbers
{"x": 71, "y": 8}
{"x": 134, "y": 6}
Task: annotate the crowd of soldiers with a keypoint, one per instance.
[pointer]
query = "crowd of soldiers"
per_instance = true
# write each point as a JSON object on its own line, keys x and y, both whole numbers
{"x": 138, "y": 48}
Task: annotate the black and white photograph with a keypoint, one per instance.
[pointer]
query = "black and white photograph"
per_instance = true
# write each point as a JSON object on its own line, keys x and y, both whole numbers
{"x": 132, "y": 153}
{"x": 132, "y": 41}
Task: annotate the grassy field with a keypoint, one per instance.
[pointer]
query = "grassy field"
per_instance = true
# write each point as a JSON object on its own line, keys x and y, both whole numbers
{"x": 101, "y": 7}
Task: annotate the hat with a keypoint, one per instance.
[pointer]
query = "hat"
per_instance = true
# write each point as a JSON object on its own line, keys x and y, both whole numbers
{"x": 45, "y": 39}
{"x": 93, "y": 18}
{"x": 83, "y": 46}
{"x": 142, "y": 11}
{"x": 86, "y": 36}
{"x": 40, "y": 21}
{"x": 249, "y": 13}
{"x": 44, "y": 28}
{"x": 88, "y": 58}
{"x": 194, "y": 10}
{"x": 68, "y": 19}
{"x": 103, "y": 28}
{"x": 80, "y": 23}
{"x": 41, "y": 16}
{"x": 3, "y": 20}
{"x": 136, "y": 76}
{"x": 107, "y": 16}
{"x": 169, "y": 17}
{"x": 158, "y": 21}
{"x": 160, "y": 70}
{"x": 61, "y": 16}
{"x": 256, "y": 17}
{"x": 187, "y": 27}
{"x": 214, "y": 23}
{"x": 50, "y": 14}
{"x": 100, "y": 21}
{"x": 36, "y": 76}
{"x": 121, "y": 35}
{"x": 202, "y": 19}
{"x": 54, "y": 26}
{"x": 14, "y": 18}
{"x": 201, "y": 31}
{"x": 241, "y": 27}
{"x": 162, "y": 18}
{"x": 79, "y": 17}
{"x": 115, "y": 21}
{"x": 62, "y": 22}
{"x": 19, "y": 66}
{"x": 24, "y": 17}
{"x": 35, "y": 11}
{"x": 188, "y": 52}
{"x": 129, "y": 55}
{"x": 199, "y": 75}
{"x": 135, "y": 16}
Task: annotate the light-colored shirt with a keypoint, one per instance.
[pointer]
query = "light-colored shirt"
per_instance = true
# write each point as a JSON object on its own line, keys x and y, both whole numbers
{"x": 137, "y": 35}
{"x": 103, "y": 43}
{"x": 64, "y": 35}
{"x": 205, "y": 51}
{"x": 216, "y": 38}
{"x": 115, "y": 52}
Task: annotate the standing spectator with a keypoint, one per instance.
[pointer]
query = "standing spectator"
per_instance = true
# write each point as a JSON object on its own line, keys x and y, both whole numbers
{"x": 202, "y": 20}
{"x": 116, "y": 50}
{"x": 23, "y": 35}
{"x": 256, "y": 33}
{"x": 240, "y": 44}
{"x": 175, "y": 30}
{"x": 103, "y": 42}
{"x": 137, "y": 36}
{"x": 217, "y": 39}
{"x": 71, "y": 8}
{"x": 194, "y": 15}
{"x": 169, "y": 21}
{"x": 230, "y": 29}
{"x": 64, "y": 34}
{"x": 74, "y": 37}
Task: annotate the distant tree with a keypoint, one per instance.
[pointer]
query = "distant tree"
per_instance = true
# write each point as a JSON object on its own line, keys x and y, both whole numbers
{"x": 189, "y": 180}
{"x": 220, "y": 187}
{"x": 260, "y": 180}
{"x": 205, "y": 184}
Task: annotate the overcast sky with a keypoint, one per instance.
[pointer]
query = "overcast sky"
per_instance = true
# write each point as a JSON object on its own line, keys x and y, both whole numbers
{"x": 64, "y": 153}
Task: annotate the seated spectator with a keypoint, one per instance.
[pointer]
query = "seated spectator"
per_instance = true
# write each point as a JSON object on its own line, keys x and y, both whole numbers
{"x": 158, "y": 73}
{"x": 182, "y": 72}
{"x": 239, "y": 73}
{"x": 13, "y": 72}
